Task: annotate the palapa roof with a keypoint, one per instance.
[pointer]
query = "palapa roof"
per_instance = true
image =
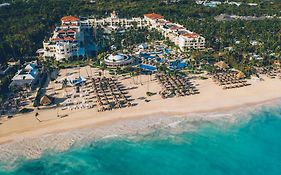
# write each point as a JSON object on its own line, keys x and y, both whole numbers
{"x": 276, "y": 62}
{"x": 221, "y": 64}
{"x": 240, "y": 75}
{"x": 46, "y": 100}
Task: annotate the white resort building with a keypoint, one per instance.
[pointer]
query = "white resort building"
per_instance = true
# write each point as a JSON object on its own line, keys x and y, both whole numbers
{"x": 26, "y": 76}
{"x": 176, "y": 33}
{"x": 114, "y": 21}
{"x": 118, "y": 60}
{"x": 67, "y": 40}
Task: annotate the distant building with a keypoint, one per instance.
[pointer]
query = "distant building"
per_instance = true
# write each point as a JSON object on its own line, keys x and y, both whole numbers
{"x": 5, "y": 4}
{"x": 252, "y": 4}
{"x": 67, "y": 40}
{"x": 176, "y": 33}
{"x": 143, "y": 46}
{"x": 114, "y": 22}
{"x": 254, "y": 43}
{"x": 209, "y": 3}
{"x": 26, "y": 76}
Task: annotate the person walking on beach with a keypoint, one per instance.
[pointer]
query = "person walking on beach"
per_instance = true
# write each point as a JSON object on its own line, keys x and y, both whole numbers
{"x": 36, "y": 116}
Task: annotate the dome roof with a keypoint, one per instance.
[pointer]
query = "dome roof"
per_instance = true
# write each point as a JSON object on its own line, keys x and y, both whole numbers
{"x": 118, "y": 60}
{"x": 118, "y": 57}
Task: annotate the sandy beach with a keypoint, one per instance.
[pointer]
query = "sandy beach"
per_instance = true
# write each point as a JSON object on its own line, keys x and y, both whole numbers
{"x": 212, "y": 98}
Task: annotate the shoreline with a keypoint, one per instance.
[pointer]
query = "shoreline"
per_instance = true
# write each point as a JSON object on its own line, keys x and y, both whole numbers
{"x": 254, "y": 105}
{"x": 212, "y": 99}
{"x": 33, "y": 146}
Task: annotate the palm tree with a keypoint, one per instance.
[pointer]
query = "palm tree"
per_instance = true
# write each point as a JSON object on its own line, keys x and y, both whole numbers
{"x": 138, "y": 72}
{"x": 149, "y": 79}
{"x": 103, "y": 68}
{"x": 132, "y": 76}
{"x": 64, "y": 83}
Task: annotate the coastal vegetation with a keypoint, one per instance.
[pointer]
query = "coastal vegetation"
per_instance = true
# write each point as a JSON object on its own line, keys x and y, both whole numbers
{"x": 243, "y": 44}
{"x": 125, "y": 40}
{"x": 27, "y": 23}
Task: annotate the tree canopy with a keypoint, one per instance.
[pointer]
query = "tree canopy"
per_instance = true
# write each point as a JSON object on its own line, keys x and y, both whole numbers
{"x": 25, "y": 24}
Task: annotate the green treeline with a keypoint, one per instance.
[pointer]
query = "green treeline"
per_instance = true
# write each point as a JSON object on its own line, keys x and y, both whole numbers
{"x": 25, "y": 24}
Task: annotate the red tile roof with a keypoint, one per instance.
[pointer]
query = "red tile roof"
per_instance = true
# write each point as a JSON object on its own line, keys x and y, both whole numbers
{"x": 190, "y": 35}
{"x": 61, "y": 31}
{"x": 56, "y": 39}
{"x": 71, "y": 31}
{"x": 154, "y": 16}
{"x": 69, "y": 19}
{"x": 176, "y": 28}
{"x": 68, "y": 39}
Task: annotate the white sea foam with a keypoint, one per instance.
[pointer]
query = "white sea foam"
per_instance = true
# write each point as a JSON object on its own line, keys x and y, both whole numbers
{"x": 134, "y": 129}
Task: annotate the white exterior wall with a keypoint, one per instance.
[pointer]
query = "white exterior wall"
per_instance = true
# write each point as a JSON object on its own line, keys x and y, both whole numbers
{"x": 190, "y": 43}
{"x": 183, "y": 42}
{"x": 63, "y": 49}
{"x": 25, "y": 76}
{"x": 122, "y": 22}
{"x": 151, "y": 22}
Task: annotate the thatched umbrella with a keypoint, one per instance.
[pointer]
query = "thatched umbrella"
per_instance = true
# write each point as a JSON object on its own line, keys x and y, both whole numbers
{"x": 221, "y": 65}
{"x": 240, "y": 75}
{"x": 99, "y": 103}
{"x": 46, "y": 100}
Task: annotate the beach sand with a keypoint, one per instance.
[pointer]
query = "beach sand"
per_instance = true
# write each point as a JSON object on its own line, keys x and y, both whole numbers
{"x": 212, "y": 98}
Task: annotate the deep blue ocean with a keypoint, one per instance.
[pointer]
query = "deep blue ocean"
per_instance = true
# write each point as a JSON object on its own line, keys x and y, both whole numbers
{"x": 249, "y": 146}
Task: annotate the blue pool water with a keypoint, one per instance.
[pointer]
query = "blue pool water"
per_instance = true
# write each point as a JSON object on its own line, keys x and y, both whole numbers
{"x": 147, "y": 56}
{"x": 148, "y": 67}
{"x": 178, "y": 64}
{"x": 248, "y": 146}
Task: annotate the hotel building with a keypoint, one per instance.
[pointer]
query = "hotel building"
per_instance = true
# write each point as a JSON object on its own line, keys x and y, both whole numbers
{"x": 114, "y": 21}
{"x": 67, "y": 40}
{"x": 176, "y": 33}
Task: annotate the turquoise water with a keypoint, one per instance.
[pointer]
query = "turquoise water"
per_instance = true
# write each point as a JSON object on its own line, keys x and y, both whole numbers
{"x": 250, "y": 146}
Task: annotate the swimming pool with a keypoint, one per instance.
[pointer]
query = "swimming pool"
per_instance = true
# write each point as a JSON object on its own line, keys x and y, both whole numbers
{"x": 148, "y": 67}
{"x": 178, "y": 64}
{"x": 147, "y": 56}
